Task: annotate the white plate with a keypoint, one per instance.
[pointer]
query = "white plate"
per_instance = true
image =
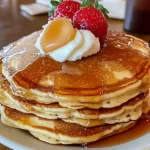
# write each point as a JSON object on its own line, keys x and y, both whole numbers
{"x": 21, "y": 140}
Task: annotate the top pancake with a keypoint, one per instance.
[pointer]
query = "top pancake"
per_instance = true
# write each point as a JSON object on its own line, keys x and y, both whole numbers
{"x": 122, "y": 62}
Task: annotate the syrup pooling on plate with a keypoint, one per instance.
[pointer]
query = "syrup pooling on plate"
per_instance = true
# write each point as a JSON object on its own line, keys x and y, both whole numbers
{"x": 140, "y": 129}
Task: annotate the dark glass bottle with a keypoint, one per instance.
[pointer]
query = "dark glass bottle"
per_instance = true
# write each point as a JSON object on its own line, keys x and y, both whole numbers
{"x": 137, "y": 18}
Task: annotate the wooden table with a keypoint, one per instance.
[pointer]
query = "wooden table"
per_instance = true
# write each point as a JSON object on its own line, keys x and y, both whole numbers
{"x": 15, "y": 24}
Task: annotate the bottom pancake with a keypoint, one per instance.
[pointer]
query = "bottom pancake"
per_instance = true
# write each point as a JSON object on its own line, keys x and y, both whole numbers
{"x": 57, "y": 131}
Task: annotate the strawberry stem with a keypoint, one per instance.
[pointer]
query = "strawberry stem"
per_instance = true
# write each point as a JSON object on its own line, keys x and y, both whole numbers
{"x": 51, "y": 12}
{"x": 54, "y": 4}
{"x": 101, "y": 8}
{"x": 87, "y": 3}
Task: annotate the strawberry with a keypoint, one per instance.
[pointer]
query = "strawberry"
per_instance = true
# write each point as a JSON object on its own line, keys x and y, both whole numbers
{"x": 93, "y": 19}
{"x": 88, "y": 17}
{"x": 64, "y": 9}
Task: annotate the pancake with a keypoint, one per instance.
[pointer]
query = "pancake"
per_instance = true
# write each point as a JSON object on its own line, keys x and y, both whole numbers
{"x": 132, "y": 115}
{"x": 72, "y": 105}
{"x": 75, "y": 102}
{"x": 58, "y": 131}
{"x": 98, "y": 80}
{"x": 132, "y": 108}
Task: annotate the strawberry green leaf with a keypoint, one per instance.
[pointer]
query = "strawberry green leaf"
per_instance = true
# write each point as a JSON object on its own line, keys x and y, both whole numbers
{"x": 103, "y": 10}
{"x": 96, "y": 4}
{"x": 55, "y": 3}
{"x": 86, "y": 3}
{"x": 51, "y": 12}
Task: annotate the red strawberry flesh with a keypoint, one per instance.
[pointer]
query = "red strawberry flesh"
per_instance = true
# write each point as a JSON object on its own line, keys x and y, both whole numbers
{"x": 90, "y": 18}
{"x": 67, "y": 9}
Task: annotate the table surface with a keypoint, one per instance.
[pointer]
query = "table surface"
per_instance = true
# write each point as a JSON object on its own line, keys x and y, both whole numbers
{"x": 15, "y": 24}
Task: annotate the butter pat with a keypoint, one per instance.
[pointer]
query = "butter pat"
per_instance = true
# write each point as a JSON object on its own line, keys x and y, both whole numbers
{"x": 66, "y": 45}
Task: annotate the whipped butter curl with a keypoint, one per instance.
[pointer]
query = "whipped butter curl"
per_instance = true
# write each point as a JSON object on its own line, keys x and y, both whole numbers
{"x": 63, "y": 43}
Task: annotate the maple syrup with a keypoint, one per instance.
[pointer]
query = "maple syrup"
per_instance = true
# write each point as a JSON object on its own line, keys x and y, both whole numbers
{"x": 140, "y": 129}
{"x": 74, "y": 75}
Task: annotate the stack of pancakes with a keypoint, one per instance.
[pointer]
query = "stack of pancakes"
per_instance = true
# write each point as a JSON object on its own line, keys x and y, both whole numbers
{"x": 75, "y": 102}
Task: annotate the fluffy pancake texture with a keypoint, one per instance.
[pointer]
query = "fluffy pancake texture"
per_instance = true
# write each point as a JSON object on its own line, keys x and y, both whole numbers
{"x": 75, "y": 102}
{"x": 57, "y": 130}
{"x": 131, "y": 110}
{"x": 94, "y": 79}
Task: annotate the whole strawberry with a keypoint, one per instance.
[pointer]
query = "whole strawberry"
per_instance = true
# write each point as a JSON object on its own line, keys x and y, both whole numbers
{"x": 92, "y": 18}
{"x": 64, "y": 9}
